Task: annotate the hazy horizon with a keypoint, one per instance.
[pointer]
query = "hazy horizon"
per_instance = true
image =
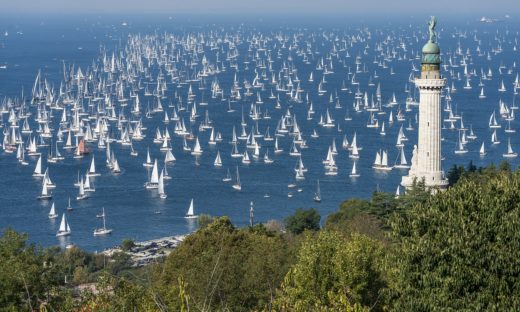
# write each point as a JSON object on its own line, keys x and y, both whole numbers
{"x": 287, "y": 7}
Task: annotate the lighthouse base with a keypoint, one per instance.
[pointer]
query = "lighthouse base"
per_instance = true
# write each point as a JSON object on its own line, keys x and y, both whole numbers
{"x": 432, "y": 181}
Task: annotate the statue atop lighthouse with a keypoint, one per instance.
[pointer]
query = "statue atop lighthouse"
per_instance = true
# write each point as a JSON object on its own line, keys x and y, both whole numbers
{"x": 426, "y": 159}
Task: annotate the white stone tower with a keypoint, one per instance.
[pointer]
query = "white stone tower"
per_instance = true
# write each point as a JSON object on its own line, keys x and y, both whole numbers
{"x": 426, "y": 159}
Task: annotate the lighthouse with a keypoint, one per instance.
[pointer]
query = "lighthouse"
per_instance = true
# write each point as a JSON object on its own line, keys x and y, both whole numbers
{"x": 426, "y": 158}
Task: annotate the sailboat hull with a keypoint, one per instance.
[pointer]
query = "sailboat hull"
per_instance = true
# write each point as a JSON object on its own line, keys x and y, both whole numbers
{"x": 63, "y": 233}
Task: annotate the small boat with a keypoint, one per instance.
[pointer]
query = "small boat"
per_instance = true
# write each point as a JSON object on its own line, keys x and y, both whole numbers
{"x": 227, "y": 178}
{"x": 494, "y": 138}
{"x": 38, "y": 169}
{"x": 81, "y": 150}
{"x": 160, "y": 188}
{"x": 267, "y": 159}
{"x": 482, "y": 151}
{"x": 153, "y": 183}
{"x": 64, "y": 229}
{"x": 460, "y": 147}
{"x": 317, "y": 195}
{"x": 132, "y": 150}
{"x": 197, "y": 150}
{"x": 45, "y": 195}
{"x": 52, "y": 212}
{"x": 354, "y": 173}
{"x": 92, "y": 170}
{"x": 510, "y": 153}
{"x": 482, "y": 95}
{"x": 238, "y": 185}
{"x": 403, "y": 164}
{"x": 69, "y": 207}
{"x": 191, "y": 213}
{"x": 81, "y": 194}
{"x": 148, "y": 162}
{"x": 103, "y": 230}
{"x": 218, "y": 160}
{"x": 381, "y": 161}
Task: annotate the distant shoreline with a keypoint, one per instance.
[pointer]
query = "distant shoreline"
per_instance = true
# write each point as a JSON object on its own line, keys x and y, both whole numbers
{"x": 146, "y": 252}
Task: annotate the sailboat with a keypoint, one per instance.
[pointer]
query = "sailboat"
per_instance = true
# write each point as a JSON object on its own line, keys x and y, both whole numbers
{"x": 81, "y": 193}
{"x": 154, "y": 178}
{"x": 381, "y": 161}
{"x": 317, "y": 195}
{"x": 482, "y": 95}
{"x": 92, "y": 170}
{"x": 81, "y": 150}
{"x": 510, "y": 153}
{"x": 38, "y": 169}
{"x": 502, "y": 87}
{"x": 197, "y": 150}
{"x": 482, "y": 151}
{"x": 267, "y": 159}
{"x": 45, "y": 195}
{"x": 103, "y": 230}
{"x": 460, "y": 146}
{"x": 237, "y": 186}
{"x": 354, "y": 173}
{"x": 160, "y": 188}
{"x": 69, "y": 207}
{"x": 115, "y": 166}
{"x": 64, "y": 229}
{"x": 299, "y": 174}
{"x": 148, "y": 162}
{"x": 403, "y": 164}
{"x": 218, "y": 160}
{"x": 52, "y": 212}
{"x": 227, "y": 178}
{"x": 133, "y": 152}
{"x": 493, "y": 121}
{"x": 191, "y": 213}
{"x": 494, "y": 138}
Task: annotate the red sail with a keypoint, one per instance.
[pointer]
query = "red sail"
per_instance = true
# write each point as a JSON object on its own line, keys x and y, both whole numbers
{"x": 81, "y": 150}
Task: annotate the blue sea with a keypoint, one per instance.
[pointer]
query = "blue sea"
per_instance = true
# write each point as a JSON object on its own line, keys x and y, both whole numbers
{"x": 46, "y": 43}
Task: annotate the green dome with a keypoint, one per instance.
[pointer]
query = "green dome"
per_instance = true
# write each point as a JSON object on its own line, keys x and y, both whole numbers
{"x": 431, "y": 48}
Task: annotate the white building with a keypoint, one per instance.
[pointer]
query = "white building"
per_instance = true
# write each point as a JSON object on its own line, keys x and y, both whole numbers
{"x": 426, "y": 159}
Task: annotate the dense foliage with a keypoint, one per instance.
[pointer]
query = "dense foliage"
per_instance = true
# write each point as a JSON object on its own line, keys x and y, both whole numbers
{"x": 461, "y": 250}
{"x": 226, "y": 268}
{"x": 303, "y": 219}
{"x": 457, "y": 250}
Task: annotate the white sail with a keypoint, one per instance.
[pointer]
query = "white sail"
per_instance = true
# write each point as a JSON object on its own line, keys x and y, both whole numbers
{"x": 160, "y": 188}
{"x": 154, "y": 178}
{"x": 218, "y": 160}
{"x": 354, "y": 173}
{"x": 64, "y": 229}
{"x": 52, "y": 212}
{"x": 238, "y": 185}
{"x": 169, "y": 157}
{"x": 63, "y": 224}
{"x": 92, "y": 170}
{"x": 38, "y": 168}
{"x": 482, "y": 151}
{"x": 191, "y": 211}
{"x": 197, "y": 150}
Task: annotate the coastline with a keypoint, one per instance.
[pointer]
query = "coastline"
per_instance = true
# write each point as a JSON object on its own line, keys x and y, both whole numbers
{"x": 146, "y": 252}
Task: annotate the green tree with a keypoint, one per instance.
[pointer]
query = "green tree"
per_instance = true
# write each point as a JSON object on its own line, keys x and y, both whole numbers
{"x": 204, "y": 220}
{"x": 26, "y": 276}
{"x": 303, "y": 219}
{"x": 127, "y": 244}
{"x": 225, "y": 268}
{"x": 334, "y": 273}
{"x": 460, "y": 250}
